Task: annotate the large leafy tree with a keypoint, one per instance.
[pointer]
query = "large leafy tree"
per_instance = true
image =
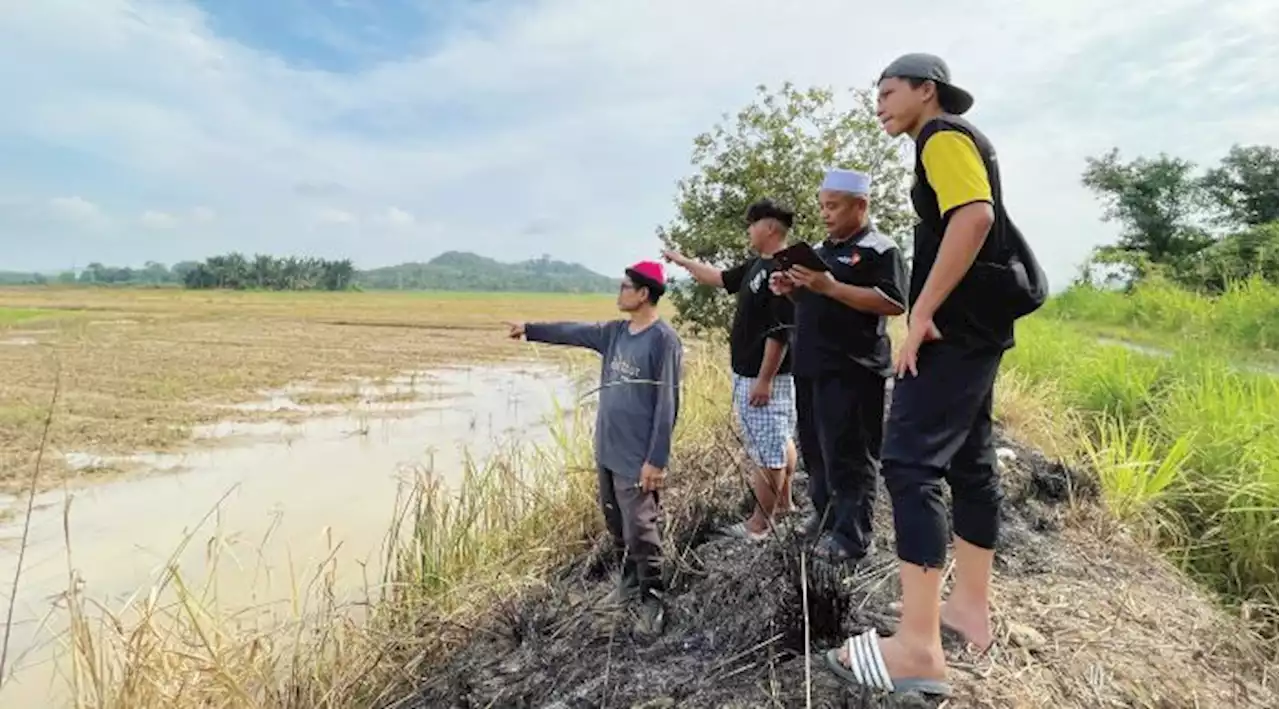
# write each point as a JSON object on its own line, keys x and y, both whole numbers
{"x": 1245, "y": 187}
{"x": 1157, "y": 203}
{"x": 779, "y": 147}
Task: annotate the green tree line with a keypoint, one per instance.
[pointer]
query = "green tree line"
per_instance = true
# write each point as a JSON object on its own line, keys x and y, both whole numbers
{"x": 151, "y": 274}
{"x": 262, "y": 272}
{"x": 451, "y": 271}
{"x": 1201, "y": 229}
{"x": 233, "y": 271}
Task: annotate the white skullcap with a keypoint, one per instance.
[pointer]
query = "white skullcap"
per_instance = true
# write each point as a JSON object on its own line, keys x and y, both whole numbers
{"x": 851, "y": 181}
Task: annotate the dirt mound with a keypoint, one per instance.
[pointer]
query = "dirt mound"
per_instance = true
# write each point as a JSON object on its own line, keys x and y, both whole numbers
{"x": 1081, "y": 621}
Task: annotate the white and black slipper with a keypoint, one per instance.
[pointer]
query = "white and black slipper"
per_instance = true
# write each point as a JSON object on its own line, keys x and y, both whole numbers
{"x": 867, "y": 669}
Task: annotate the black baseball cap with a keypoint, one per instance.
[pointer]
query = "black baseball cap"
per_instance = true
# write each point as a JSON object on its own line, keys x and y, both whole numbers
{"x": 929, "y": 67}
{"x": 768, "y": 209}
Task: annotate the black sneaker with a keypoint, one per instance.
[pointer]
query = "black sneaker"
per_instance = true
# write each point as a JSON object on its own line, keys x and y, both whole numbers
{"x": 627, "y": 591}
{"x": 832, "y": 551}
{"x": 810, "y": 527}
{"x": 651, "y": 616}
{"x": 619, "y": 597}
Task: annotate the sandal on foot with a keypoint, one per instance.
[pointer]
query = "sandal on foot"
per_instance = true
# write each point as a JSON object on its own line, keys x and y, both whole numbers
{"x": 740, "y": 531}
{"x": 867, "y": 669}
{"x": 978, "y": 652}
{"x": 896, "y": 608}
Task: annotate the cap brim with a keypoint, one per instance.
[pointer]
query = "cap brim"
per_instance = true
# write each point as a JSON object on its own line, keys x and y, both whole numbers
{"x": 643, "y": 281}
{"x": 954, "y": 99}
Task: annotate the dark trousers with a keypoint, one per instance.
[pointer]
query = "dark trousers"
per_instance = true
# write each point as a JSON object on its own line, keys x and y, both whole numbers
{"x": 631, "y": 514}
{"x": 940, "y": 429}
{"x": 841, "y": 421}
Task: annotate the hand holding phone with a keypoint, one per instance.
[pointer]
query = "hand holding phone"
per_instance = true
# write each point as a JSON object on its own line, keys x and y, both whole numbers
{"x": 780, "y": 283}
{"x": 800, "y": 254}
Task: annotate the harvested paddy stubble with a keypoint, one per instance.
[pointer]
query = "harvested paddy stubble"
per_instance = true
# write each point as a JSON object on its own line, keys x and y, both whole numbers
{"x": 139, "y": 369}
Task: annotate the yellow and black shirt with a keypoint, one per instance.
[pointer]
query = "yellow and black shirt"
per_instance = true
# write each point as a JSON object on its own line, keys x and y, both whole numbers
{"x": 955, "y": 166}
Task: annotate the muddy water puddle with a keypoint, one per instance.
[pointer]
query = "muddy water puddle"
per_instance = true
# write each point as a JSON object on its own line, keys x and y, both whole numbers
{"x": 279, "y": 498}
{"x": 412, "y": 391}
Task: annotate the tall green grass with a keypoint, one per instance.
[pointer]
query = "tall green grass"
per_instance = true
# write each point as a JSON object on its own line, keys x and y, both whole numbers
{"x": 1185, "y": 445}
{"x": 1242, "y": 319}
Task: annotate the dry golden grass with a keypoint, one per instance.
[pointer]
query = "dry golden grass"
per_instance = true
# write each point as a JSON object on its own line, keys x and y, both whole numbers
{"x": 139, "y": 368}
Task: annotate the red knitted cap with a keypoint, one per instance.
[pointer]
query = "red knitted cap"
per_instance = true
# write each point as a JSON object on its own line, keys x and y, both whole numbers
{"x": 650, "y": 270}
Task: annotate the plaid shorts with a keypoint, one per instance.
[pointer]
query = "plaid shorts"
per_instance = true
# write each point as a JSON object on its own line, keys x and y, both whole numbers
{"x": 767, "y": 428}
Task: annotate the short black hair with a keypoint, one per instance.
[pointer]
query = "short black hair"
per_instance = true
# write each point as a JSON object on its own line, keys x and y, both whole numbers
{"x": 769, "y": 209}
{"x": 654, "y": 288}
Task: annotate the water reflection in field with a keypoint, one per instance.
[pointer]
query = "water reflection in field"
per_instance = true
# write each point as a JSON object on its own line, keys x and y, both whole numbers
{"x": 285, "y": 497}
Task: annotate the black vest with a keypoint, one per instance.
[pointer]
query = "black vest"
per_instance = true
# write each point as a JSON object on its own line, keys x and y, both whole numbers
{"x": 1005, "y": 281}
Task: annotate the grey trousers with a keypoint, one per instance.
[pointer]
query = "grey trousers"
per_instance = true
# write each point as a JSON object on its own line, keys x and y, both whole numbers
{"x": 631, "y": 514}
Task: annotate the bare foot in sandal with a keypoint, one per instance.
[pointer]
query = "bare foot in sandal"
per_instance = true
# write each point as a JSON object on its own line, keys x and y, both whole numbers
{"x": 974, "y": 624}
{"x": 974, "y": 627}
{"x": 890, "y": 664}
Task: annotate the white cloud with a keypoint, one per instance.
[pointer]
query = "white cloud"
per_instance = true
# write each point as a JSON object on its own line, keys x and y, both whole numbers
{"x": 153, "y": 219}
{"x": 329, "y": 215}
{"x": 78, "y": 211}
{"x": 203, "y": 214}
{"x": 395, "y": 218}
{"x": 580, "y": 115}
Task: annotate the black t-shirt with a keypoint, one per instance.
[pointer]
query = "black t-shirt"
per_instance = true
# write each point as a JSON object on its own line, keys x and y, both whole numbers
{"x": 760, "y": 315}
{"x": 832, "y": 337}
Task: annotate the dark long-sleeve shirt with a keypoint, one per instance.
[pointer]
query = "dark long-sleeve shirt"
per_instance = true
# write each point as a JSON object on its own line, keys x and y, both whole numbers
{"x": 639, "y": 388}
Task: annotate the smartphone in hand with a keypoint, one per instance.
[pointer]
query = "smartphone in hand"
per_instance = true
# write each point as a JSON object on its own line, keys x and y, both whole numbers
{"x": 800, "y": 254}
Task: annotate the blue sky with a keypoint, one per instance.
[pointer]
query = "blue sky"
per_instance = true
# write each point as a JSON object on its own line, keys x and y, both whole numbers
{"x": 389, "y": 131}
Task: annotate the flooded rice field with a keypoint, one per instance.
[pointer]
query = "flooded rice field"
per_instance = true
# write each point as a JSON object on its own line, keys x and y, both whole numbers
{"x": 273, "y": 500}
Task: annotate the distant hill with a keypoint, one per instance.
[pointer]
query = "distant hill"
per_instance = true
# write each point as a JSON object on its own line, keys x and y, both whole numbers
{"x": 450, "y": 271}
{"x": 22, "y": 278}
{"x": 463, "y": 271}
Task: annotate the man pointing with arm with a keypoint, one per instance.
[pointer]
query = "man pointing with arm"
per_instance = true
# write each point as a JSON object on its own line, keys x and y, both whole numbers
{"x": 640, "y": 369}
{"x": 763, "y": 392}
